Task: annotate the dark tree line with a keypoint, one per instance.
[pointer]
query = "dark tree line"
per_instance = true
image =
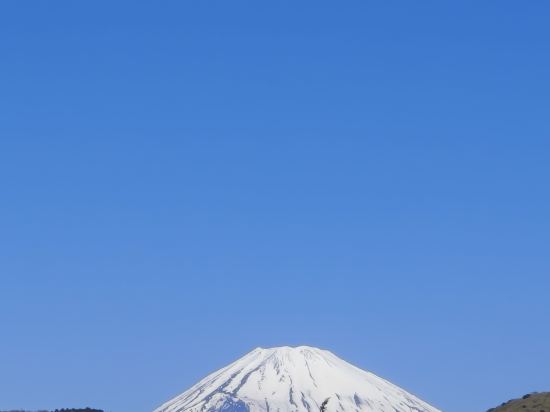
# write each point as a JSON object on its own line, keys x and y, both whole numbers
{"x": 22, "y": 410}
{"x": 60, "y": 410}
{"x": 78, "y": 410}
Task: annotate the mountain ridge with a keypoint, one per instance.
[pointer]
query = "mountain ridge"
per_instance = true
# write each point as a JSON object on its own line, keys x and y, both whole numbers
{"x": 294, "y": 379}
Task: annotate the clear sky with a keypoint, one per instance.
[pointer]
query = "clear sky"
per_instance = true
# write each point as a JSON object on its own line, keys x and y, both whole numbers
{"x": 184, "y": 181}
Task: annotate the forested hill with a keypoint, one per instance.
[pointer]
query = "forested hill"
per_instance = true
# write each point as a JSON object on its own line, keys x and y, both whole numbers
{"x": 532, "y": 402}
{"x": 59, "y": 410}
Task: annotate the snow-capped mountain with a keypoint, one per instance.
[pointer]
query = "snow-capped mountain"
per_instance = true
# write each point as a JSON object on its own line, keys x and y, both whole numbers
{"x": 301, "y": 379}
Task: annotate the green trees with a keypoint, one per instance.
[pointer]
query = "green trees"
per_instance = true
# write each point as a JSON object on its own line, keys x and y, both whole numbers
{"x": 78, "y": 410}
{"x": 62, "y": 410}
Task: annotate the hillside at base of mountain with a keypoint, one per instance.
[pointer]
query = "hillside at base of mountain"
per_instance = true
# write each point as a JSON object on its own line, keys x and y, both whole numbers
{"x": 58, "y": 410}
{"x": 532, "y": 402}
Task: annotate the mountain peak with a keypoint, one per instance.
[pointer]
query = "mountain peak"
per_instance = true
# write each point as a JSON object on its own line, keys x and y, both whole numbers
{"x": 300, "y": 348}
{"x": 293, "y": 379}
{"x": 289, "y": 350}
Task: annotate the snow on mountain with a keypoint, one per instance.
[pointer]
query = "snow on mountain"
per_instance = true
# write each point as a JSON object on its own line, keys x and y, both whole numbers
{"x": 297, "y": 379}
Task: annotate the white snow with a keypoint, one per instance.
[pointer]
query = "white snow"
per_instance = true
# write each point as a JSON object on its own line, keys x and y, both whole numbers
{"x": 297, "y": 379}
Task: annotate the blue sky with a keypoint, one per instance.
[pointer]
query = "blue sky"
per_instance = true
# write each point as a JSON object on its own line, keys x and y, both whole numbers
{"x": 184, "y": 181}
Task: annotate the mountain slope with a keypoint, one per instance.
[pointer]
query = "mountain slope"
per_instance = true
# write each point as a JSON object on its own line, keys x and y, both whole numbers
{"x": 294, "y": 380}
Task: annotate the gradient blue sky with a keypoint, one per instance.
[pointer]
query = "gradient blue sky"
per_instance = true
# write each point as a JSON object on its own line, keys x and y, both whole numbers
{"x": 184, "y": 181}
